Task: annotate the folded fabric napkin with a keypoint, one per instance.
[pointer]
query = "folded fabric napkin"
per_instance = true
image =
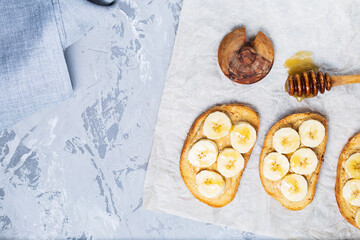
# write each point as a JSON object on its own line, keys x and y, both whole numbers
{"x": 33, "y": 37}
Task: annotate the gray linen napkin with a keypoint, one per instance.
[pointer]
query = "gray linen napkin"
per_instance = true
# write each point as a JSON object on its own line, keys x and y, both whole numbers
{"x": 33, "y": 37}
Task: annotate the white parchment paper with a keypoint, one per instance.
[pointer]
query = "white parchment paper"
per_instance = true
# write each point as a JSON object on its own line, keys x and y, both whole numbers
{"x": 330, "y": 29}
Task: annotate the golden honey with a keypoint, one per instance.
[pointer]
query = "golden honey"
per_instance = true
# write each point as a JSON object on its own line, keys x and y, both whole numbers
{"x": 300, "y": 62}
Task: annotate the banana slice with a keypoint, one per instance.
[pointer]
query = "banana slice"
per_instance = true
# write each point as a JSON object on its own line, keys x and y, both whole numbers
{"x": 294, "y": 187}
{"x": 352, "y": 165}
{"x": 243, "y": 137}
{"x": 357, "y": 217}
{"x": 203, "y": 153}
{"x": 304, "y": 161}
{"x": 286, "y": 140}
{"x": 351, "y": 192}
{"x": 275, "y": 166}
{"x": 230, "y": 162}
{"x": 210, "y": 184}
{"x": 217, "y": 125}
{"x": 312, "y": 133}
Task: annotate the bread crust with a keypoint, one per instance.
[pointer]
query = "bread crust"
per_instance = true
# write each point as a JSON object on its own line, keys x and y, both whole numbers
{"x": 272, "y": 187}
{"x": 237, "y": 113}
{"x": 346, "y": 209}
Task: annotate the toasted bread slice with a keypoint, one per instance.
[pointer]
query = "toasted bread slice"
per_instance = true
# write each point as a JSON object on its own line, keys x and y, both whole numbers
{"x": 346, "y": 209}
{"x": 236, "y": 113}
{"x": 272, "y": 187}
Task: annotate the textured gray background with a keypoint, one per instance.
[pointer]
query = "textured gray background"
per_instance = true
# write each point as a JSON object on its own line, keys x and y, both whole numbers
{"x": 76, "y": 170}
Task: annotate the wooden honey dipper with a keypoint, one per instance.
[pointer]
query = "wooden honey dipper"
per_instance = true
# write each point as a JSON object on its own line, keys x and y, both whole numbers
{"x": 311, "y": 83}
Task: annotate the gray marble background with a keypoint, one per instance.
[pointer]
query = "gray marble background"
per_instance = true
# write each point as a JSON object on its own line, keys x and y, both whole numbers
{"x": 76, "y": 170}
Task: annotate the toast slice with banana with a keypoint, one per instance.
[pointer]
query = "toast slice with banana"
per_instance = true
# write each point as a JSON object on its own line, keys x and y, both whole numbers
{"x": 347, "y": 186}
{"x": 216, "y": 151}
{"x": 291, "y": 159}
